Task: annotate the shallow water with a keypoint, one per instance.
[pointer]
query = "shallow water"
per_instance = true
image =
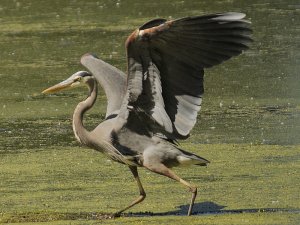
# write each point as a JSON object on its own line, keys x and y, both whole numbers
{"x": 254, "y": 98}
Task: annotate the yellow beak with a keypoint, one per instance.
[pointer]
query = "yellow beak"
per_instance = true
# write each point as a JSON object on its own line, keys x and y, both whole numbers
{"x": 60, "y": 86}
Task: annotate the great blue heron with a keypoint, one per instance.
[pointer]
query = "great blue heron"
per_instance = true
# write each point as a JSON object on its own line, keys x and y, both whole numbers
{"x": 157, "y": 102}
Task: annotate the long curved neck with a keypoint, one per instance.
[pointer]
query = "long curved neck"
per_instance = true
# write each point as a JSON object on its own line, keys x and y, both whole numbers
{"x": 81, "y": 134}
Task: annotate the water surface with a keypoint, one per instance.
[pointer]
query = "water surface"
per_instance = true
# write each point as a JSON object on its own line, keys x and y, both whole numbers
{"x": 254, "y": 98}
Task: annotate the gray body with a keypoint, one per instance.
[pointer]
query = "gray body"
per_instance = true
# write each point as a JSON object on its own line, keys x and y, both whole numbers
{"x": 157, "y": 101}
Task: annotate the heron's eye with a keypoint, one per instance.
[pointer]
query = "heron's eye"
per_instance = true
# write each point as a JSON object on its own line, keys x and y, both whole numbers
{"x": 77, "y": 79}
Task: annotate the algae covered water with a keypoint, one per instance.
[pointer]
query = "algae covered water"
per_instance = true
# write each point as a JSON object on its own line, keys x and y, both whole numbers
{"x": 253, "y": 98}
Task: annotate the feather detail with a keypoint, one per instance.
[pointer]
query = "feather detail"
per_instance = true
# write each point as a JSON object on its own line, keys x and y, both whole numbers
{"x": 166, "y": 62}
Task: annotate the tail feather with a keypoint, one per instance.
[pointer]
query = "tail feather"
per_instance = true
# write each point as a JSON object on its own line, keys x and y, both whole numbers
{"x": 188, "y": 158}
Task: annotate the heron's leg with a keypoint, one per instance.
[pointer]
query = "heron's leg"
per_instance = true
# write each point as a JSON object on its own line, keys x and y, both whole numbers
{"x": 163, "y": 170}
{"x": 142, "y": 196}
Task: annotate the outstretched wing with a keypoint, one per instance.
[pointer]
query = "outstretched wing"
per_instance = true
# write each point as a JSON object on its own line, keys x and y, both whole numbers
{"x": 165, "y": 69}
{"x": 112, "y": 80}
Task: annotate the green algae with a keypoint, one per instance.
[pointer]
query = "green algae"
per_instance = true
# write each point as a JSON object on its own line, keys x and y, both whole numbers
{"x": 77, "y": 184}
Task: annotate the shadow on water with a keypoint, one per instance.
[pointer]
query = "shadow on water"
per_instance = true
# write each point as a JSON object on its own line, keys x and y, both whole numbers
{"x": 212, "y": 208}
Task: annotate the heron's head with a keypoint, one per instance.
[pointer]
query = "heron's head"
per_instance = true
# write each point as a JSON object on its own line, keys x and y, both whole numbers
{"x": 77, "y": 79}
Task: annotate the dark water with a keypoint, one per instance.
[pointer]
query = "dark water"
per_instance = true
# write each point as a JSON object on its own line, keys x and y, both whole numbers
{"x": 254, "y": 98}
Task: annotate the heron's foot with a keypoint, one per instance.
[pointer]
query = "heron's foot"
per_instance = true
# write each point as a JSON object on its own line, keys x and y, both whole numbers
{"x": 194, "y": 194}
{"x": 116, "y": 215}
